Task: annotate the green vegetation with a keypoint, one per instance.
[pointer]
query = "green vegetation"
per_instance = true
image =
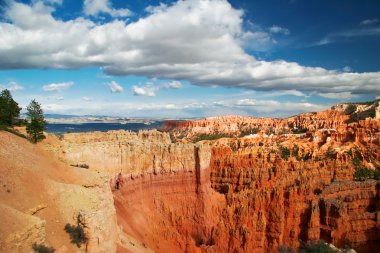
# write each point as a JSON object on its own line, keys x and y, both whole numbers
{"x": 331, "y": 154}
{"x": 299, "y": 130}
{"x": 10, "y": 130}
{"x": 254, "y": 130}
{"x": 40, "y": 248}
{"x": 76, "y": 232}
{"x": 351, "y": 108}
{"x": 315, "y": 247}
{"x": 363, "y": 174}
{"x": 210, "y": 137}
{"x": 284, "y": 153}
{"x": 36, "y": 125}
{"x": 295, "y": 152}
{"x": 9, "y": 109}
{"x": 270, "y": 131}
{"x": 81, "y": 165}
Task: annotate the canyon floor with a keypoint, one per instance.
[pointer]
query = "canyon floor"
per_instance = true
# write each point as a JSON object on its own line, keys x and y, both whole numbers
{"x": 221, "y": 184}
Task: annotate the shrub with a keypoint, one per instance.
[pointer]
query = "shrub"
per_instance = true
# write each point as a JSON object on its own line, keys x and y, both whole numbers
{"x": 362, "y": 174}
{"x": 254, "y": 130}
{"x": 40, "y": 248}
{"x": 331, "y": 154}
{"x": 81, "y": 165}
{"x": 315, "y": 247}
{"x": 299, "y": 130}
{"x": 295, "y": 151}
{"x": 351, "y": 108}
{"x": 284, "y": 153}
{"x": 210, "y": 137}
{"x": 76, "y": 232}
{"x": 270, "y": 131}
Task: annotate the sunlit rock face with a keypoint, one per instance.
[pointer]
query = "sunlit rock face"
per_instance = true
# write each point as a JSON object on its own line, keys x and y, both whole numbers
{"x": 255, "y": 193}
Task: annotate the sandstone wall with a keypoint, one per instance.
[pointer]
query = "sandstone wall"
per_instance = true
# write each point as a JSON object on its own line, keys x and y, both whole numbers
{"x": 237, "y": 194}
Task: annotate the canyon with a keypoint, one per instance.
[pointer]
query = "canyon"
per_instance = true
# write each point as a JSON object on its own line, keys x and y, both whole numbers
{"x": 222, "y": 184}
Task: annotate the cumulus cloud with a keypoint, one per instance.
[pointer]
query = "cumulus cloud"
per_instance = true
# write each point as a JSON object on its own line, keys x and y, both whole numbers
{"x": 369, "y": 21}
{"x": 115, "y": 87}
{"x": 197, "y": 40}
{"x": 150, "y": 89}
{"x": 86, "y": 99}
{"x": 278, "y": 29}
{"x": 96, "y": 7}
{"x": 12, "y": 86}
{"x": 57, "y": 86}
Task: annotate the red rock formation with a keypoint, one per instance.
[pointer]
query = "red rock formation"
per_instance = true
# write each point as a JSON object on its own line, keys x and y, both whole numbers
{"x": 252, "y": 194}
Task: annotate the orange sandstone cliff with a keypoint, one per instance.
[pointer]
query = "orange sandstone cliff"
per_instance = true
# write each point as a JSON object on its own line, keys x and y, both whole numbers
{"x": 255, "y": 193}
{"x": 308, "y": 177}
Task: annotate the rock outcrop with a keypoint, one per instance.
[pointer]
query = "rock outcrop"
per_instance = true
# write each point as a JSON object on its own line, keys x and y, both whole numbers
{"x": 251, "y": 194}
{"x": 271, "y": 183}
{"x": 40, "y": 195}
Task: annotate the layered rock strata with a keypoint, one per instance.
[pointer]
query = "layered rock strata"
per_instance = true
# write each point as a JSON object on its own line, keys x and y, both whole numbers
{"x": 251, "y": 194}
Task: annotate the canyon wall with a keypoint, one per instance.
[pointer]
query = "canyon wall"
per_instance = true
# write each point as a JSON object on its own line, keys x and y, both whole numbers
{"x": 253, "y": 194}
{"x": 337, "y": 116}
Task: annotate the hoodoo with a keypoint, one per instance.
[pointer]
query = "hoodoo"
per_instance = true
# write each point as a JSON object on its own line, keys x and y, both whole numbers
{"x": 259, "y": 192}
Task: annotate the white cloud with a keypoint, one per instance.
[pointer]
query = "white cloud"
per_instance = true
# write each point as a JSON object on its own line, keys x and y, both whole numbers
{"x": 369, "y": 21}
{"x": 244, "y": 107}
{"x": 197, "y": 40}
{"x": 12, "y": 86}
{"x": 348, "y": 34}
{"x": 59, "y": 98}
{"x": 172, "y": 85}
{"x": 115, "y": 87}
{"x": 145, "y": 90}
{"x": 57, "y": 86}
{"x": 339, "y": 95}
{"x": 96, "y": 7}
{"x": 150, "y": 89}
{"x": 87, "y": 99}
{"x": 277, "y": 29}
{"x": 347, "y": 69}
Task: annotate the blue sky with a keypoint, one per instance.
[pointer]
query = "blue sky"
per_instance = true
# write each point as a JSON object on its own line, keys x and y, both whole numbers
{"x": 192, "y": 58}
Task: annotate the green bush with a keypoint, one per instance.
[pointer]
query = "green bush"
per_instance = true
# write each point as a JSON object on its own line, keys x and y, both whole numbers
{"x": 299, "y": 130}
{"x": 210, "y": 137}
{"x": 362, "y": 174}
{"x": 284, "y": 153}
{"x": 81, "y": 165}
{"x": 331, "y": 154}
{"x": 315, "y": 247}
{"x": 40, "y": 248}
{"x": 76, "y": 232}
{"x": 249, "y": 131}
{"x": 270, "y": 131}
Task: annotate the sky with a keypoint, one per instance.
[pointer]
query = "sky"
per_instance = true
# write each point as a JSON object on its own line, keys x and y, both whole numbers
{"x": 190, "y": 58}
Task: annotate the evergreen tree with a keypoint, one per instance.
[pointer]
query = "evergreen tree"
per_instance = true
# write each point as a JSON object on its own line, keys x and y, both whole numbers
{"x": 9, "y": 109}
{"x": 36, "y": 125}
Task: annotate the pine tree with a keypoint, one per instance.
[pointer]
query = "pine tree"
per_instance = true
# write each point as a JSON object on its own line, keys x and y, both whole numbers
{"x": 35, "y": 128}
{"x": 9, "y": 109}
